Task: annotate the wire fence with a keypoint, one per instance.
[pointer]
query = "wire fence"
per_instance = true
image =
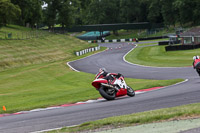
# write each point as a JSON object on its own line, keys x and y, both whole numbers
{"x": 22, "y": 35}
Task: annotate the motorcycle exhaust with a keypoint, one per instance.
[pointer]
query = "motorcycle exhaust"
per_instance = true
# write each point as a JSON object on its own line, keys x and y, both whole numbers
{"x": 110, "y": 86}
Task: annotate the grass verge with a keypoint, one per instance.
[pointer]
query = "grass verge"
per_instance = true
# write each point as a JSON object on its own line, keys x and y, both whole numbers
{"x": 167, "y": 114}
{"x": 157, "y": 56}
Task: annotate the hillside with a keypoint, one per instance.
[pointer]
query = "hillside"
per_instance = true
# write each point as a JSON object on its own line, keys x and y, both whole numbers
{"x": 47, "y": 47}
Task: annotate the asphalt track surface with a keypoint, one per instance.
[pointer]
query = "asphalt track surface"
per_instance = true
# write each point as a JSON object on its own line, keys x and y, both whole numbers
{"x": 112, "y": 59}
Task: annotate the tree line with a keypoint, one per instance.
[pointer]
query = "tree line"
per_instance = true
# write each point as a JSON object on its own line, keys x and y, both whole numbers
{"x": 68, "y": 13}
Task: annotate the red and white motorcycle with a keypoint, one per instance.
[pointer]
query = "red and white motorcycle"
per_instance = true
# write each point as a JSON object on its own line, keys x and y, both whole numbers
{"x": 116, "y": 88}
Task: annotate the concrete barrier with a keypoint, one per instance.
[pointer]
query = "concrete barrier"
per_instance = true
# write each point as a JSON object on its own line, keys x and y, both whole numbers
{"x": 82, "y": 52}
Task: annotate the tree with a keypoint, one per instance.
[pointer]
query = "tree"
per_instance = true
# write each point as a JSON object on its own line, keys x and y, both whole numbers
{"x": 8, "y": 12}
{"x": 34, "y": 15}
{"x": 154, "y": 11}
{"x": 50, "y": 12}
{"x": 187, "y": 10}
{"x": 169, "y": 12}
{"x": 94, "y": 13}
{"x": 196, "y": 12}
{"x": 31, "y": 11}
{"x": 64, "y": 12}
{"x": 84, "y": 8}
{"x": 131, "y": 10}
{"x": 68, "y": 12}
{"x": 102, "y": 11}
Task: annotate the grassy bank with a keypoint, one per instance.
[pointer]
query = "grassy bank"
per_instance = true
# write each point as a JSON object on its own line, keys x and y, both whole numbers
{"x": 51, "y": 48}
{"x": 174, "y": 113}
{"x": 157, "y": 56}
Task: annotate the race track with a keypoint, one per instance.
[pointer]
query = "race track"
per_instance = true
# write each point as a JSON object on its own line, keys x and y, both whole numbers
{"x": 112, "y": 59}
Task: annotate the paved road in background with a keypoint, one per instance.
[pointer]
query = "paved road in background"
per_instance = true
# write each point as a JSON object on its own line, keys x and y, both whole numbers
{"x": 185, "y": 93}
{"x": 112, "y": 60}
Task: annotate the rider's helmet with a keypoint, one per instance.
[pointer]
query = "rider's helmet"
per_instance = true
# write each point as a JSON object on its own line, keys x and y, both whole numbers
{"x": 102, "y": 70}
{"x": 195, "y": 57}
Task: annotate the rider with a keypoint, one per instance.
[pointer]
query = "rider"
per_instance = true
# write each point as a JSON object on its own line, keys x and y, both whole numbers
{"x": 108, "y": 76}
{"x": 196, "y": 63}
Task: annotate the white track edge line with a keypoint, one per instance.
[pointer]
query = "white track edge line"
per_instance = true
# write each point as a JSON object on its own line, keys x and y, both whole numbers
{"x": 81, "y": 59}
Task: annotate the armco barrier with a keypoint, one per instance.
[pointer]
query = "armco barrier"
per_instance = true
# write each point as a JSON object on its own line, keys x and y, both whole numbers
{"x": 82, "y": 52}
{"x": 163, "y": 43}
{"x": 181, "y": 47}
{"x": 127, "y": 40}
{"x": 169, "y": 42}
{"x": 152, "y": 38}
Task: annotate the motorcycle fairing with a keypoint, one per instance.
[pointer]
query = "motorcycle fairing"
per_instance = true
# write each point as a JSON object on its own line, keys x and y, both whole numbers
{"x": 97, "y": 83}
{"x": 121, "y": 92}
{"x": 121, "y": 82}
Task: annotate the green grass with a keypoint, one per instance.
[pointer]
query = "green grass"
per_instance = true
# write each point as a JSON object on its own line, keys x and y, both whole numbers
{"x": 17, "y": 53}
{"x": 139, "y": 84}
{"x": 157, "y": 56}
{"x": 174, "y": 113}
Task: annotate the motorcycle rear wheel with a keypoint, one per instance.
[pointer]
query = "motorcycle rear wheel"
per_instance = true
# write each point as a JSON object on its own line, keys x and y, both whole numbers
{"x": 107, "y": 93}
{"x": 130, "y": 92}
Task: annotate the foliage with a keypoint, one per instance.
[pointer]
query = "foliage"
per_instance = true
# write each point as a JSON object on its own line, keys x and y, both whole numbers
{"x": 67, "y": 12}
{"x": 64, "y": 12}
{"x": 31, "y": 11}
{"x": 85, "y": 12}
{"x": 154, "y": 14}
{"x": 8, "y": 12}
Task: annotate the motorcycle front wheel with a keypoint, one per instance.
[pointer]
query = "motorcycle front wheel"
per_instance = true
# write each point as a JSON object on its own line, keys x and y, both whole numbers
{"x": 130, "y": 91}
{"x": 107, "y": 93}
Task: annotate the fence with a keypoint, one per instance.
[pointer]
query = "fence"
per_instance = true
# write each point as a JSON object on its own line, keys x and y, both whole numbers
{"x": 22, "y": 35}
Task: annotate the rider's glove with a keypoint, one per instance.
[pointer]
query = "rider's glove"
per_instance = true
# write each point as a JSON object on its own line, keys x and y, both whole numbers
{"x": 118, "y": 75}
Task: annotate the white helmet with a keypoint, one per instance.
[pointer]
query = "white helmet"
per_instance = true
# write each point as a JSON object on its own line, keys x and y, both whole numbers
{"x": 102, "y": 69}
{"x": 195, "y": 57}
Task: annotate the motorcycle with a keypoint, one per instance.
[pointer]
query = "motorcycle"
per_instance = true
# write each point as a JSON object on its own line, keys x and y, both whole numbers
{"x": 116, "y": 88}
{"x": 197, "y": 67}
